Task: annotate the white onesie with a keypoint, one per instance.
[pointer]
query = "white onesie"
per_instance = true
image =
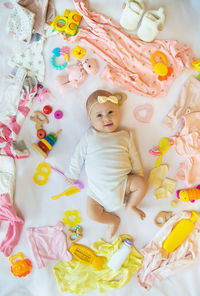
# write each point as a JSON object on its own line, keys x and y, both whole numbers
{"x": 109, "y": 158}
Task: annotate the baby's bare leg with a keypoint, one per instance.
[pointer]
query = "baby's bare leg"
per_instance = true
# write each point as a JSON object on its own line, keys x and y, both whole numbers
{"x": 136, "y": 189}
{"x": 97, "y": 213}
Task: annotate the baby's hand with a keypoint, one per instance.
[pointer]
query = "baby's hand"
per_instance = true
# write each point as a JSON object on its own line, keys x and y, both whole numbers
{"x": 70, "y": 181}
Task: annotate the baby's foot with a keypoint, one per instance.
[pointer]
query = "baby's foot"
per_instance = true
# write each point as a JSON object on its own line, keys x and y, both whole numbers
{"x": 112, "y": 228}
{"x": 139, "y": 212}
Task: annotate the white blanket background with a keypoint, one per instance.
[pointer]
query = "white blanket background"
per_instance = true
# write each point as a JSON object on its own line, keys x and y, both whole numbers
{"x": 34, "y": 202}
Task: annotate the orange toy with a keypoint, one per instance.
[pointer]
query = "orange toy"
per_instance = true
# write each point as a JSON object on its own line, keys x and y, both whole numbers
{"x": 189, "y": 194}
{"x": 21, "y": 267}
{"x": 87, "y": 256}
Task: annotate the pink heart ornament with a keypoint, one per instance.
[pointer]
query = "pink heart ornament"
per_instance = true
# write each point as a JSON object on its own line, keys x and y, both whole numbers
{"x": 148, "y": 111}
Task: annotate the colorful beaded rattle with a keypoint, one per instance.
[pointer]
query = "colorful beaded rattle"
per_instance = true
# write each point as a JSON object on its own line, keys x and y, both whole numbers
{"x": 46, "y": 144}
{"x": 57, "y": 52}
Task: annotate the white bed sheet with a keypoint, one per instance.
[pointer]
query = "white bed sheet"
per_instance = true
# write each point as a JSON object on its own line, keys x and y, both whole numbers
{"x": 34, "y": 202}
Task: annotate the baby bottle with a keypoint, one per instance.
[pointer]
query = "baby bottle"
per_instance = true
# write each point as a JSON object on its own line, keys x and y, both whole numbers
{"x": 120, "y": 255}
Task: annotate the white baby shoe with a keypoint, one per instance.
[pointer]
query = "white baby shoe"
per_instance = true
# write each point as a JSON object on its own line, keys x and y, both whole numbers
{"x": 151, "y": 24}
{"x": 131, "y": 14}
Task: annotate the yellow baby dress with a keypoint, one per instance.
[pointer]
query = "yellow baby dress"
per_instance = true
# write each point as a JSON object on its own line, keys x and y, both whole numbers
{"x": 78, "y": 278}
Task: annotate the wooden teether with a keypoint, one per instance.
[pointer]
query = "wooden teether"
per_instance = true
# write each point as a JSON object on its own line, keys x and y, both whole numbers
{"x": 38, "y": 120}
{"x": 75, "y": 234}
{"x": 164, "y": 216}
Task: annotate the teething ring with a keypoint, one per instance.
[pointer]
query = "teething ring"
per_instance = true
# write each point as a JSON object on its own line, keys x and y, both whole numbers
{"x": 42, "y": 173}
{"x": 161, "y": 67}
{"x": 164, "y": 216}
{"x": 57, "y": 52}
{"x": 38, "y": 120}
{"x": 75, "y": 234}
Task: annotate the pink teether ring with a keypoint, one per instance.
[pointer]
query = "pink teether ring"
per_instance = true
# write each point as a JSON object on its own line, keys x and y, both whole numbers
{"x": 148, "y": 115}
{"x": 58, "y": 114}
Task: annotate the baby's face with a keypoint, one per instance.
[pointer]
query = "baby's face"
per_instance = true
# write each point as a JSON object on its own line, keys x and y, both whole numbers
{"x": 105, "y": 117}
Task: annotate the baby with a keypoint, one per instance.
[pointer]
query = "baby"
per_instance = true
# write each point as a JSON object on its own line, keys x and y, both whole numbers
{"x": 112, "y": 163}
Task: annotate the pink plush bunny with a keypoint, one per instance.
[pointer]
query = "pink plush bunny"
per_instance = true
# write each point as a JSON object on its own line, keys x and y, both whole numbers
{"x": 77, "y": 75}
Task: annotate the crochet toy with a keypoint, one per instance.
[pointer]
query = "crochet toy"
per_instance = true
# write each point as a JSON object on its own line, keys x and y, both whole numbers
{"x": 189, "y": 194}
{"x": 77, "y": 75}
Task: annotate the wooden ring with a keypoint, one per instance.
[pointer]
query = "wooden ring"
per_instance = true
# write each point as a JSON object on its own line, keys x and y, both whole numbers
{"x": 165, "y": 216}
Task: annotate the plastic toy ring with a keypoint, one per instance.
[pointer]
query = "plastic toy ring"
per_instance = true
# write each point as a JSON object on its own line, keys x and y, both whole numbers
{"x": 41, "y": 133}
{"x": 163, "y": 216}
{"x": 64, "y": 51}
{"x": 58, "y": 114}
{"x": 42, "y": 173}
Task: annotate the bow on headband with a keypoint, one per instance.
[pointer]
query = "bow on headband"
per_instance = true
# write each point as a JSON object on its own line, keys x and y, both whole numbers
{"x": 103, "y": 99}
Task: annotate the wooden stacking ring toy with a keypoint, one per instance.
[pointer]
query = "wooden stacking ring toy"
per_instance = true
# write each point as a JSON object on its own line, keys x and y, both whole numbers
{"x": 46, "y": 144}
{"x": 41, "y": 133}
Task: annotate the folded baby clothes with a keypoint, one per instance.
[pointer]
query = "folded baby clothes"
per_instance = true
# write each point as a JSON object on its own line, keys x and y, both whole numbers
{"x": 44, "y": 12}
{"x": 8, "y": 214}
{"x": 48, "y": 243}
{"x": 20, "y": 22}
{"x": 16, "y": 98}
{"x": 7, "y": 176}
{"x": 187, "y": 144}
{"x": 78, "y": 278}
{"x": 31, "y": 59}
{"x": 187, "y": 102}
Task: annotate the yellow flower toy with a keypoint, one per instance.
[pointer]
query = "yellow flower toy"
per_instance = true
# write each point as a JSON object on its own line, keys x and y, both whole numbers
{"x": 75, "y": 218}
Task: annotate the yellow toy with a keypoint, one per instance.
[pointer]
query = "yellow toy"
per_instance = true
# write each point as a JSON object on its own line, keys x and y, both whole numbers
{"x": 75, "y": 218}
{"x": 87, "y": 256}
{"x": 161, "y": 68}
{"x": 179, "y": 233}
{"x": 196, "y": 64}
{"x": 21, "y": 267}
{"x": 79, "y": 52}
{"x": 68, "y": 23}
{"x": 164, "y": 146}
{"x": 189, "y": 194}
{"x": 67, "y": 192}
{"x": 42, "y": 173}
